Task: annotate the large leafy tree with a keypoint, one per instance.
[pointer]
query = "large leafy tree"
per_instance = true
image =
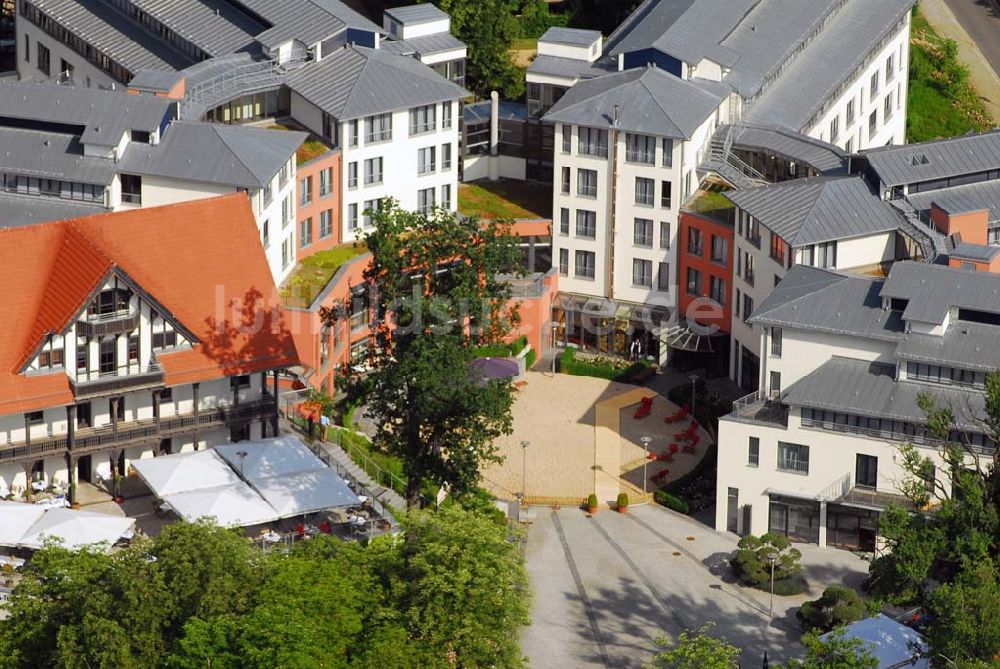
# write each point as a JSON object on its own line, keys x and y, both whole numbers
{"x": 697, "y": 650}
{"x": 834, "y": 650}
{"x": 435, "y": 295}
{"x": 956, "y": 544}
{"x": 488, "y": 27}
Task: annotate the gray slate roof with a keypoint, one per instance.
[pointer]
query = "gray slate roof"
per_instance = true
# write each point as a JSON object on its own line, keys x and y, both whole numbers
{"x": 432, "y": 44}
{"x": 964, "y": 345}
{"x": 215, "y": 26}
{"x": 650, "y": 101}
{"x": 932, "y": 290}
{"x": 817, "y": 73}
{"x": 354, "y": 82}
{"x": 822, "y": 156}
{"x": 51, "y": 155}
{"x": 979, "y": 252}
{"x": 302, "y": 20}
{"x": 113, "y": 34}
{"x": 766, "y": 38}
{"x": 17, "y": 210}
{"x": 821, "y": 300}
{"x": 685, "y": 29}
{"x": 103, "y": 115}
{"x": 960, "y": 199}
{"x": 340, "y": 10}
{"x": 870, "y": 389}
{"x": 820, "y": 209}
{"x": 416, "y": 14}
{"x": 570, "y": 68}
{"x": 912, "y": 163}
{"x": 215, "y": 153}
{"x": 570, "y": 36}
{"x": 155, "y": 81}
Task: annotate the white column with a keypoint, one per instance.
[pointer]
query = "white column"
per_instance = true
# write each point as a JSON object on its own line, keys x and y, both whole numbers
{"x": 822, "y": 523}
{"x": 494, "y": 136}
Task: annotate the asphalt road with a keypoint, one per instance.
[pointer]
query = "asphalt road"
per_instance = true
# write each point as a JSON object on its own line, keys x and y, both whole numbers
{"x": 981, "y": 20}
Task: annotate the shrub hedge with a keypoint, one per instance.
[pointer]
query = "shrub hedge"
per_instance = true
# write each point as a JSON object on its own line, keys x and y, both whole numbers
{"x": 568, "y": 364}
{"x": 671, "y": 501}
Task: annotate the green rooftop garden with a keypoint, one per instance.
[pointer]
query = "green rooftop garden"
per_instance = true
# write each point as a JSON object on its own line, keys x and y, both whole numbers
{"x": 709, "y": 201}
{"x": 314, "y": 272}
{"x": 505, "y": 199}
{"x": 313, "y": 147}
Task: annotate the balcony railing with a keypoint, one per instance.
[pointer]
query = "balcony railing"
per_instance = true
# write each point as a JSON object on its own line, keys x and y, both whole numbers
{"x": 131, "y": 433}
{"x": 843, "y": 491}
{"x": 759, "y": 408}
{"x": 98, "y": 325}
{"x": 125, "y": 378}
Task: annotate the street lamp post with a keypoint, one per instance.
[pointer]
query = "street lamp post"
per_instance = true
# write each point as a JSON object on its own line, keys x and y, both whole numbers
{"x": 524, "y": 467}
{"x": 242, "y": 456}
{"x": 772, "y": 557}
{"x": 555, "y": 329}
{"x": 694, "y": 383}
{"x": 645, "y": 460}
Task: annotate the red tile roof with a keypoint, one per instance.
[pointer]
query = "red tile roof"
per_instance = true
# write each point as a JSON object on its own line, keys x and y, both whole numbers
{"x": 201, "y": 260}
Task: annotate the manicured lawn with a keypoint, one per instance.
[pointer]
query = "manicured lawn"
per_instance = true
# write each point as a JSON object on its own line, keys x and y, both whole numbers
{"x": 314, "y": 272}
{"x": 941, "y": 101}
{"x": 524, "y": 44}
{"x": 505, "y": 198}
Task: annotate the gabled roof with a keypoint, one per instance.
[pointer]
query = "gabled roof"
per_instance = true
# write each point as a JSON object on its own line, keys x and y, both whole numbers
{"x": 416, "y": 14}
{"x": 685, "y": 29}
{"x": 938, "y": 159}
{"x": 199, "y": 259}
{"x": 820, "y": 209}
{"x": 649, "y": 101}
{"x": 964, "y": 345}
{"x": 961, "y": 199}
{"x": 100, "y": 117}
{"x": 428, "y": 45}
{"x": 52, "y": 155}
{"x": 821, "y": 300}
{"x": 215, "y": 26}
{"x": 570, "y": 36}
{"x": 570, "y": 68}
{"x": 215, "y": 153}
{"x": 353, "y": 82}
{"x": 933, "y": 290}
{"x": 808, "y": 81}
{"x": 18, "y": 210}
{"x": 306, "y": 22}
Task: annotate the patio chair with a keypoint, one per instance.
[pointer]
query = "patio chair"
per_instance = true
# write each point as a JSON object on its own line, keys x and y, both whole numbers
{"x": 673, "y": 449}
{"x": 645, "y": 407}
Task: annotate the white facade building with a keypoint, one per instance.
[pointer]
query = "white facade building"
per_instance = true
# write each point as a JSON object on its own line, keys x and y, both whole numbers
{"x": 815, "y": 454}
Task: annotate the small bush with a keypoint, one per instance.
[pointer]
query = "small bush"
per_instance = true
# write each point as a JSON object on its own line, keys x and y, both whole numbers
{"x": 592, "y": 501}
{"x": 671, "y": 501}
{"x": 622, "y": 500}
{"x": 788, "y": 587}
{"x": 600, "y": 368}
{"x": 838, "y": 606}
{"x": 530, "y": 358}
{"x": 750, "y": 564}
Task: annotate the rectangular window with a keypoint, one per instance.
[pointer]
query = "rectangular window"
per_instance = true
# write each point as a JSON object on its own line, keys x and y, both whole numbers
{"x": 372, "y": 207}
{"x": 668, "y": 152}
{"x": 564, "y": 262}
{"x": 664, "y": 234}
{"x": 642, "y": 232}
{"x": 890, "y": 68}
{"x": 693, "y": 281}
{"x": 373, "y": 171}
{"x": 585, "y": 264}
{"x": 426, "y": 160}
{"x": 753, "y": 452}
{"x": 873, "y": 87}
{"x": 425, "y": 201}
{"x": 325, "y": 181}
{"x": 775, "y": 385}
{"x": 866, "y": 472}
{"x": 720, "y": 249}
{"x": 642, "y": 273}
{"x": 663, "y": 276}
{"x": 378, "y": 128}
{"x": 352, "y": 175}
{"x": 717, "y": 289}
{"x": 640, "y": 149}
{"x": 747, "y": 307}
{"x": 352, "y": 216}
{"x": 27, "y": 49}
{"x": 778, "y": 249}
{"x": 287, "y": 251}
{"x": 305, "y": 232}
{"x": 565, "y": 180}
{"x": 446, "y": 196}
{"x": 305, "y": 191}
{"x": 887, "y": 108}
{"x": 567, "y": 138}
{"x": 286, "y": 212}
{"x": 776, "y": 338}
{"x": 696, "y": 243}
{"x": 872, "y": 124}
{"x": 586, "y": 223}
{"x": 835, "y": 130}
{"x": 645, "y": 191}
{"x": 445, "y": 157}
{"x": 849, "y": 121}
{"x": 352, "y": 133}
{"x": 422, "y": 119}
{"x": 793, "y": 458}
{"x": 586, "y": 183}
{"x": 563, "y": 221}
{"x": 446, "y": 115}
{"x": 43, "y": 58}
{"x": 666, "y": 190}
{"x": 325, "y": 223}
{"x": 593, "y": 142}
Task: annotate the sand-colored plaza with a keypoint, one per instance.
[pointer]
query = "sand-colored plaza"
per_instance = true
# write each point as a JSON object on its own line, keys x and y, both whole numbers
{"x": 567, "y": 457}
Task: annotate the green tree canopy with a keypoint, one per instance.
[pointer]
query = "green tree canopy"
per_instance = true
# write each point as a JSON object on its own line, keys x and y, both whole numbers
{"x": 834, "y": 651}
{"x": 698, "y": 650}
{"x": 488, "y": 27}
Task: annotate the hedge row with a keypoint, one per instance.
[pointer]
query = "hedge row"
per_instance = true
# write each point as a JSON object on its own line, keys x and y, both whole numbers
{"x": 568, "y": 364}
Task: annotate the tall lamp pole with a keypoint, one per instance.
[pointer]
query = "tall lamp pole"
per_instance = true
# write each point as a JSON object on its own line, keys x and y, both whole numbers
{"x": 555, "y": 329}
{"x": 524, "y": 467}
{"x": 694, "y": 384}
{"x": 645, "y": 460}
{"x": 772, "y": 557}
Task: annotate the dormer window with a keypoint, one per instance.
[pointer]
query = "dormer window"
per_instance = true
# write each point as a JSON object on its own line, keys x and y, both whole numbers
{"x": 51, "y": 356}
{"x": 110, "y": 302}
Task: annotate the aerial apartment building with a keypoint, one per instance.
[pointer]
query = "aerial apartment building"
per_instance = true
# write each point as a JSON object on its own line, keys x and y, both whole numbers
{"x": 815, "y": 454}
{"x": 133, "y": 334}
{"x": 689, "y": 79}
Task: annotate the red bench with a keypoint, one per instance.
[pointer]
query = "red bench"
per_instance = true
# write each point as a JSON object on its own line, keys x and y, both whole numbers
{"x": 644, "y": 408}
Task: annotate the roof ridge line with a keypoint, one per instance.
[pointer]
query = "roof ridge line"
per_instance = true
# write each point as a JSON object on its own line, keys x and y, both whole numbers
{"x": 215, "y": 127}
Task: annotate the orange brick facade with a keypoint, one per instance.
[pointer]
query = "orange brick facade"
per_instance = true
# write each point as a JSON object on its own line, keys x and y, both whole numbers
{"x": 318, "y": 225}
{"x": 706, "y": 267}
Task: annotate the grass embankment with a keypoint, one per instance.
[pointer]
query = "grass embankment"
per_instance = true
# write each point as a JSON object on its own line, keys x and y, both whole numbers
{"x": 941, "y": 101}
{"x": 314, "y": 273}
{"x": 505, "y": 199}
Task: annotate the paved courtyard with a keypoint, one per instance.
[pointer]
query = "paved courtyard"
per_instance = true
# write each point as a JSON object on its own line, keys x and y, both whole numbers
{"x": 606, "y": 587}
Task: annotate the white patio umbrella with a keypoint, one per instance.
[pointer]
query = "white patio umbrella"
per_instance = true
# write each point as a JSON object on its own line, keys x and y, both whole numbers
{"x": 76, "y": 529}
{"x": 15, "y": 520}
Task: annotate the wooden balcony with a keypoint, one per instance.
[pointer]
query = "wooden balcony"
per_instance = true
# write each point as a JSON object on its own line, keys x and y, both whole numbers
{"x": 108, "y": 324}
{"x": 148, "y": 431}
{"x": 125, "y": 379}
